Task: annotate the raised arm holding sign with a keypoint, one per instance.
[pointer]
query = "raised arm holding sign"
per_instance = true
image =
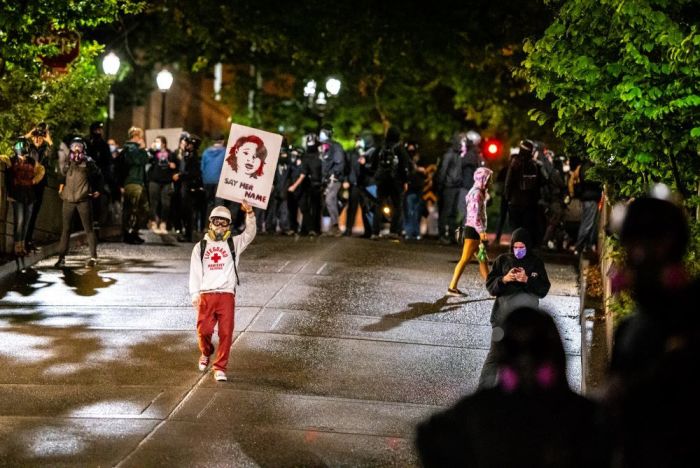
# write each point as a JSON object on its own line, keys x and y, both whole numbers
{"x": 249, "y": 167}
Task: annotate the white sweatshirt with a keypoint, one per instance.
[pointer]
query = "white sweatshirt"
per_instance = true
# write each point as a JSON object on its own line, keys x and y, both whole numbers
{"x": 215, "y": 272}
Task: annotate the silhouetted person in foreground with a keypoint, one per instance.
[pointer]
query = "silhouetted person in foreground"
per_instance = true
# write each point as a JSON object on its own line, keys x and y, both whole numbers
{"x": 530, "y": 419}
{"x": 654, "y": 379}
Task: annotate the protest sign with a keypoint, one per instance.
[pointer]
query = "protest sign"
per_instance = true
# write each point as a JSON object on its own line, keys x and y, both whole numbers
{"x": 249, "y": 166}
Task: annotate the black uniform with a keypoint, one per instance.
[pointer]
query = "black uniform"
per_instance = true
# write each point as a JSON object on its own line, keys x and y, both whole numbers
{"x": 311, "y": 201}
{"x": 391, "y": 174}
{"x": 98, "y": 150}
{"x": 192, "y": 194}
{"x": 294, "y": 198}
{"x": 277, "y": 213}
{"x": 449, "y": 184}
{"x": 361, "y": 177}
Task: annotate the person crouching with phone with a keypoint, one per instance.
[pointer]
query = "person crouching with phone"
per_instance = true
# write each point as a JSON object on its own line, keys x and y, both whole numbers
{"x": 517, "y": 279}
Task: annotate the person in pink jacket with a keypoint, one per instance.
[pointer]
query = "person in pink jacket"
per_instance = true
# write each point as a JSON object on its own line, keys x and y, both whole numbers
{"x": 213, "y": 281}
{"x": 474, "y": 229}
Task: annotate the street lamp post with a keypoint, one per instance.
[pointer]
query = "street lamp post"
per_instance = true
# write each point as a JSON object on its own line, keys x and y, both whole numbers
{"x": 164, "y": 79}
{"x": 110, "y": 65}
{"x": 318, "y": 100}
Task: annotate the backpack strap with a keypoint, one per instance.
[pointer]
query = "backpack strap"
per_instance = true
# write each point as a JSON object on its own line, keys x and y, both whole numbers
{"x": 233, "y": 254}
{"x": 232, "y": 249}
{"x": 202, "y": 248}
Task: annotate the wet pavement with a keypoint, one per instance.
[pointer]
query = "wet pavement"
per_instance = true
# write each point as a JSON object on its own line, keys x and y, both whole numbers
{"x": 341, "y": 347}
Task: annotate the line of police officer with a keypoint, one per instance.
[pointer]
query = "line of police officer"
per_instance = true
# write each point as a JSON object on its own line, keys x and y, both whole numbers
{"x": 312, "y": 178}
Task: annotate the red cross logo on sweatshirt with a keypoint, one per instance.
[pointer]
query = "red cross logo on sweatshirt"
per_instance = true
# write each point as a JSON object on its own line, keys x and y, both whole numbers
{"x": 216, "y": 257}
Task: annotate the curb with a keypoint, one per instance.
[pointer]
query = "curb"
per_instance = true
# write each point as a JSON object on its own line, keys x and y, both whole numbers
{"x": 10, "y": 269}
{"x": 594, "y": 343}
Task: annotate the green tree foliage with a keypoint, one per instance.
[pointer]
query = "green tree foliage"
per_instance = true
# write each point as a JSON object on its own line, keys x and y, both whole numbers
{"x": 68, "y": 102}
{"x": 31, "y": 93}
{"x": 430, "y": 69}
{"x": 22, "y": 22}
{"x": 623, "y": 78}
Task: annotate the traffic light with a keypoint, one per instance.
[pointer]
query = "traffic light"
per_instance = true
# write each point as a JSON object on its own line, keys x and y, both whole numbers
{"x": 492, "y": 148}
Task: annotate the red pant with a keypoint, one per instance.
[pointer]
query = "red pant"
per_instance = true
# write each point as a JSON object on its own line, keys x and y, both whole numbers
{"x": 216, "y": 308}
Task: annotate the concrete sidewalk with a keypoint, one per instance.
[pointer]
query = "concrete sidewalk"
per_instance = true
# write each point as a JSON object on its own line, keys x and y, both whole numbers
{"x": 342, "y": 346}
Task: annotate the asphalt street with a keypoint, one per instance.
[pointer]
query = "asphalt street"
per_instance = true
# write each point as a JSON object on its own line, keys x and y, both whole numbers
{"x": 341, "y": 346}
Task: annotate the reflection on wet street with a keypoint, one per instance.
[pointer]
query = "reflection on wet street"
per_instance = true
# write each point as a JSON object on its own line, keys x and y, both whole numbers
{"x": 341, "y": 347}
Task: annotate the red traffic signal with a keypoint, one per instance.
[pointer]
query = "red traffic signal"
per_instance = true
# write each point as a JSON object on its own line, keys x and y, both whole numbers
{"x": 492, "y": 148}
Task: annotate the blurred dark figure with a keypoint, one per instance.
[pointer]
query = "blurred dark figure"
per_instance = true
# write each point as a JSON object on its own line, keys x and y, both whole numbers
{"x": 500, "y": 187}
{"x": 296, "y": 156}
{"x": 40, "y": 152}
{"x": 115, "y": 180}
{"x": 363, "y": 187}
{"x": 522, "y": 191}
{"x": 98, "y": 150}
{"x": 391, "y": 175}
{"x": 414, "y": 205}
{"x": 333, "y": 172}
{"x": 517, "y": 279}
{"x": 449, "y": 183}
{"x": 192, "y": 195}
{"x": 654, "y": 372}
{"x": 309, "y": 183}
{"x": 530, "y": 419}
{"x": 589, "y": 192}
{"x": 277, "y": 216}
{"x": 554, "y": 193}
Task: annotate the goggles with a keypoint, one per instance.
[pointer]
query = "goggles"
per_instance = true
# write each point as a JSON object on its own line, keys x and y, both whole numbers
{"x": 220, "y": 222}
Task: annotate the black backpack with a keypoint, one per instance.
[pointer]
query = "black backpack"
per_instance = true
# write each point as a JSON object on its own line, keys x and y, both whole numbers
{"x": 229, "y": 241}
{"x": 528, "y": 176}
{"x": 388, "y": 160}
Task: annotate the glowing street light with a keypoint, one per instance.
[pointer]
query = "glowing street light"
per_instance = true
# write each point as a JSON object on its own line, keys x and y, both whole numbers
{"x": 164, "y": 80}
{"x": 110, "y": 65}
{"x": 333, "y": 86}
{"x": 310, "y": 89}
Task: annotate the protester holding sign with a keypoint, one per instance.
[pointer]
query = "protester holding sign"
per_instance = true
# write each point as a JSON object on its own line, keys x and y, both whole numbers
{"x": 213, "y": 281}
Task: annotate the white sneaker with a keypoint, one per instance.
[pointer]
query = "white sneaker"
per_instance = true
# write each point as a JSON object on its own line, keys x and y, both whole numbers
{"x": 220, "y": 376}
{"x": 203, "y": 363}
{"x": 162, "y": 228}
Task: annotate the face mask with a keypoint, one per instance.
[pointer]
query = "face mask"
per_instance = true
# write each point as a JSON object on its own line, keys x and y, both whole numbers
{"x": 157, "y": 145}
{"x": 323, "y": 136}
{"x": 566, "y": 168}
{"x": 360, "y": 144}
{"x": 112, "y": 148}
{"x": 519, "y": 252}
{"x": 77, "y": 156}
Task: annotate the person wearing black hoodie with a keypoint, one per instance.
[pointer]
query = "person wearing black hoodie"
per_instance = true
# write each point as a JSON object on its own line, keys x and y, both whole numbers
{"x": 522, "y": 190}
{"x": 449, "y": 183}
{"x": 517, "y": 279}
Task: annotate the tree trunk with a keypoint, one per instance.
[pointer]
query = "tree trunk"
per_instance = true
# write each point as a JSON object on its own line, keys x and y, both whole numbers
{"x": 676, "y": 176}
